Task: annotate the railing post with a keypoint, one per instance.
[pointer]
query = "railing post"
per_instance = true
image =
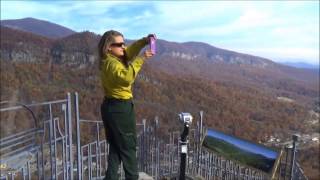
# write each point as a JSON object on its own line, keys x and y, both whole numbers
{"x": 64, "y": 109}
{"x": 293, "y": 155}
{"x": 55, "y": 148}
{"x": 98, "y": 152}
{"x": 28, "y": 170}
{"x": 199, "y": 141}
{"x": 38, "y": 165}
{"x": 78, "y": 135}
{"x": 70, "y": 135}
{"x": 144, "y": 151}
{"x": 23, "y": 173}
{"x": 66, "y": 130}
{"x": 43, "y": 174}
{"x": 156, "y": 150}
{"x": 52, "y": 160}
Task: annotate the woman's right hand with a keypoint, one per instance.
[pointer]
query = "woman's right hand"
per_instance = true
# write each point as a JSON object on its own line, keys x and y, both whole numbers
{"x": 147, "y": 54}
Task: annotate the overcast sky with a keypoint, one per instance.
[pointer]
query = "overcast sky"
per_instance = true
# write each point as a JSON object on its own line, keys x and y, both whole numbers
{"x": 278, "y": 30}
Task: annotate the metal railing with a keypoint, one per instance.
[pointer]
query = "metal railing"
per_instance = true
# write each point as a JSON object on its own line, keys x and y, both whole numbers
{"x": 55, "y": 149}
{"x": 43, "y": 152}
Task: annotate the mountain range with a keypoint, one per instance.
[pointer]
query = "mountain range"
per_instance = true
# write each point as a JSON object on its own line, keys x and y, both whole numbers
{"x": 52, "y": 30}
{"x": 179, "y": 59}
{"x": 40, "y": 27}
{"x": 245, "y": 95}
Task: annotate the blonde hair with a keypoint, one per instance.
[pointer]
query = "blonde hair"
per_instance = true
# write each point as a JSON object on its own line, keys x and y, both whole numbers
{"x": 106, "y": 40}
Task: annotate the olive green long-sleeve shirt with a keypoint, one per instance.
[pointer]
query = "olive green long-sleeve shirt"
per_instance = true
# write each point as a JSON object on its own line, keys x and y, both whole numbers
{"x": 117, "y": 78}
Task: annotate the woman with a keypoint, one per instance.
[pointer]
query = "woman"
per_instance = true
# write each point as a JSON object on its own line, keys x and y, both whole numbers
{"x": 119, "y": 67}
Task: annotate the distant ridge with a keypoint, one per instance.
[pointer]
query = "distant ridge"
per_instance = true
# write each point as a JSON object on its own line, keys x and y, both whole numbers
{"x": 301, "y": 65}
{"x": 39, "y": 27}
{"x": 196, "y": 58}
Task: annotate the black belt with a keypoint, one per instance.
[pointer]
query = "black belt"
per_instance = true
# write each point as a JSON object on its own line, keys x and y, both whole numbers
{"x": 108, "y": 99}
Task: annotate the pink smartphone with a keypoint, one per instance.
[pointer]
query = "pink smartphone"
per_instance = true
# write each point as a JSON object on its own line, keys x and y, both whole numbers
{"x": 153, "y": 45}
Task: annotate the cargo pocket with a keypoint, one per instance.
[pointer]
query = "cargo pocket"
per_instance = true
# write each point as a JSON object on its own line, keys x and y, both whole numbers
{"x": 122, "y": 117}
{"x": 129, "y": 140}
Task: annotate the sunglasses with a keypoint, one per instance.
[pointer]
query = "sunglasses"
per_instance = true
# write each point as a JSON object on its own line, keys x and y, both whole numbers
{"x": 121, "y": 44}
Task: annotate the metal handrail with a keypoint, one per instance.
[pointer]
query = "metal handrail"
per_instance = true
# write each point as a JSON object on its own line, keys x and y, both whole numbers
{"x": 18, "y": 134}
{"x": 31, "y": 105}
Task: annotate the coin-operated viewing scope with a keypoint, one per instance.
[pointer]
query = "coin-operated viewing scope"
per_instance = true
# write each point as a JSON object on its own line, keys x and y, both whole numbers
{"x": 186, "y": 119}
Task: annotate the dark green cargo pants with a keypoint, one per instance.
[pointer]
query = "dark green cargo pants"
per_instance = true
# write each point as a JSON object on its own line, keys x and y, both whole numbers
{"x": 120, "y": 125}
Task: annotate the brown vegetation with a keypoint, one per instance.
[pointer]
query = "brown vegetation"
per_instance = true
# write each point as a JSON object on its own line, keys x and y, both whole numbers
{"x": 238, "y": 99}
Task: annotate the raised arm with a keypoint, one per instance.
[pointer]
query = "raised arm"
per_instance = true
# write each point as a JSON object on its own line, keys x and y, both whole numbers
{"x": 134, "y": 49}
